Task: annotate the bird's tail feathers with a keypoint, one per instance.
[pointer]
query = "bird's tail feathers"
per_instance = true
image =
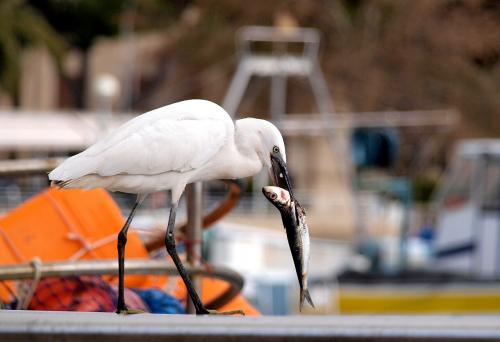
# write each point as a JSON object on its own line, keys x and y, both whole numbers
{"x": 74, "y": 168}
{"x": 304, "y": 295}
{"x": 60, "y": 184}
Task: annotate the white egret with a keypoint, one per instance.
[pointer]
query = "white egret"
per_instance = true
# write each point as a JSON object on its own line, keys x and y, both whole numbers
{"x": 168, "y": 148}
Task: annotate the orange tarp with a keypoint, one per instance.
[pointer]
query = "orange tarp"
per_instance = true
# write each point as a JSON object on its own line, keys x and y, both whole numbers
{"x": 59, "y": 225}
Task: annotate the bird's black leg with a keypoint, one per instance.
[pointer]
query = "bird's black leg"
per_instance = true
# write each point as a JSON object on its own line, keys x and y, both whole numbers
{"x": 170, "y": 244}
{"x": 121, "y": 308}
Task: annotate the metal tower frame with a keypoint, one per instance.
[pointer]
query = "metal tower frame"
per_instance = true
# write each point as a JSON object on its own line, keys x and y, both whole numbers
{"x": 284, "y": 52}
{"x": 278, "y": 64}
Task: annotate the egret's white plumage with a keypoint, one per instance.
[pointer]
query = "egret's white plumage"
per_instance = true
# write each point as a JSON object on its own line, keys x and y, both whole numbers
{"x": 167, "y": 148}
{"x": 172, "y": 146}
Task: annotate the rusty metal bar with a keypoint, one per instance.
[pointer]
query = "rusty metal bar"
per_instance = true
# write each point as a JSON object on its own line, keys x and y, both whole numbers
{"x": 133, "y": 266}
{"x": 194, "y": 234}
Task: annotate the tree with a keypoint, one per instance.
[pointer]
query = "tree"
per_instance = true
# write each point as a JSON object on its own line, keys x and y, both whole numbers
{"x": 21, "y": 25}
{"x": 80, "y": 22}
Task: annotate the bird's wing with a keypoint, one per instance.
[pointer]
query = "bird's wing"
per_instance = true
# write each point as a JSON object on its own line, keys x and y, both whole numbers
{"x": 165, "y": 140}
{"x": 167, "y": 146}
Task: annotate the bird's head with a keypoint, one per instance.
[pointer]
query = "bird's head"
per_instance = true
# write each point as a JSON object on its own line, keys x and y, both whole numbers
{"x": 270, "y": 148}
{"x": 278, "y": 169}
{"x": 274, "y": 157}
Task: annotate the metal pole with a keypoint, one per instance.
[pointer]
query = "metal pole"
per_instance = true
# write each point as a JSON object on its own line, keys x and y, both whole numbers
{"x": 278, "y": 98}
{"x": 236, "y": 90}
{"x": 194, "y": 234}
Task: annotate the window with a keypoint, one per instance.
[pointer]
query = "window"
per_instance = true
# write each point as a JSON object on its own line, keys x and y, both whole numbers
{"x": 491, "y": 186}
{"x": 458, "y": 188}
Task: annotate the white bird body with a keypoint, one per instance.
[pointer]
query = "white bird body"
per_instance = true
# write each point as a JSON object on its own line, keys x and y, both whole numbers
{"x": 169, "y": 147}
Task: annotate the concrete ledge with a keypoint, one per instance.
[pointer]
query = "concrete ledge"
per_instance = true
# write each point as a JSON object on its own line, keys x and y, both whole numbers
{"x": 79, "y": 326}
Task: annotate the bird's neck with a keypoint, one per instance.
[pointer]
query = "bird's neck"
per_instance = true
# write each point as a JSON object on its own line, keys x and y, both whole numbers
{"x": 245, "y": 165}
{"x": 244, "y": 155}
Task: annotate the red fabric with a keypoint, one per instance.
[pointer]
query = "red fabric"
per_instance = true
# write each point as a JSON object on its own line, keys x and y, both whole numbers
{"x": 83, "y": 293}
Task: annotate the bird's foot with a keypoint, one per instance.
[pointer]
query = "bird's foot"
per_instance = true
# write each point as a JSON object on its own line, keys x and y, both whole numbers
{"x": 127, "y": 311}
{"x": 222, "y": 313}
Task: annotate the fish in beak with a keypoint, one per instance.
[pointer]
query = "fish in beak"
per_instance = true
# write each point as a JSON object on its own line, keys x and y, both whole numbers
{"x": 297, "y": 232}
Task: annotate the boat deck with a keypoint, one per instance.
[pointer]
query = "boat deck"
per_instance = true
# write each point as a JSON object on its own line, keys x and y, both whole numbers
{"x": 78, "y": 326}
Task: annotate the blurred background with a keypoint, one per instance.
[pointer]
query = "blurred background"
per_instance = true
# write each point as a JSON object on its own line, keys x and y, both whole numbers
{"x": 390, "y": 112}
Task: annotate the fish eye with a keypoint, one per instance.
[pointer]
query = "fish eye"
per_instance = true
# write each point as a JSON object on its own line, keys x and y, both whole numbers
{"x": 276, "y": 149}
{"x": 274, "y": 196}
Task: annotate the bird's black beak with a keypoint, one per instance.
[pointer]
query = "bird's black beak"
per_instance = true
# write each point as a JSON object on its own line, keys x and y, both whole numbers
{"x": 280, "y": 173}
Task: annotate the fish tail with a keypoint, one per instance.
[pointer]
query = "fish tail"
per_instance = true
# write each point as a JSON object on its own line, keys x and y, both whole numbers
{"x": 304, "y": 295}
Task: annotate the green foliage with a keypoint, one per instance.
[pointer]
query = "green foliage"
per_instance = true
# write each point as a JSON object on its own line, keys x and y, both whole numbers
{"x": 156, "y": 14}
{"x": 81, "y": 21}
{"x": 21, "y": 25}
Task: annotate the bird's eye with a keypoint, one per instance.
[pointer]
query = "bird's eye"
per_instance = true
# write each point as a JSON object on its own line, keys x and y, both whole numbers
{"x": 276, "y": 149}
{"x": 274, "y": 196}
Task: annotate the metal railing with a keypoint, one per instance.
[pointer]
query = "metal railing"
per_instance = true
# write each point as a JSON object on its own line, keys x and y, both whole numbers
{"x": 134, "y": 266}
